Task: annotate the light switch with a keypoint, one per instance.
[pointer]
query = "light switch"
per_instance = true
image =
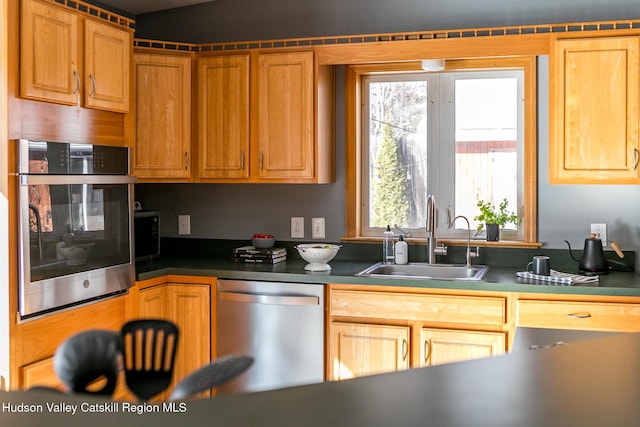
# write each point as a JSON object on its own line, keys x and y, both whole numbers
{"x": 184, "y": 224}
{"x": 317, "y": 228}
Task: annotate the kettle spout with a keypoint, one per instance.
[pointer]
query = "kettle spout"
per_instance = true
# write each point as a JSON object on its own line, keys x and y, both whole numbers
{"x": 571, "y": 253}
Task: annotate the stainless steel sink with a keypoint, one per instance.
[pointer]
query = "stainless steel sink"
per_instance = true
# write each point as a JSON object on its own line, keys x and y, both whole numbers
{"x": 426, "y": 271}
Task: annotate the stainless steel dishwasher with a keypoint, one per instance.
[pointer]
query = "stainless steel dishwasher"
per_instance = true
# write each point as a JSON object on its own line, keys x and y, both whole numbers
{"x": 280, "y": 324}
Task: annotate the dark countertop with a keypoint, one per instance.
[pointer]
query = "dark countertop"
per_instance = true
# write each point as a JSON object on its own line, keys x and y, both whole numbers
{"x": 586, "y": 383}
{"x": 502, "y": 279}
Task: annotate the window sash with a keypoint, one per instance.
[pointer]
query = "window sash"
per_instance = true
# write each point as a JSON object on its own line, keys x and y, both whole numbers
{"x": 354, "y": 82}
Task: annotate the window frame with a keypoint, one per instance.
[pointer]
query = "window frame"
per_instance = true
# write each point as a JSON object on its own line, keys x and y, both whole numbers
{"x": 353, "y": 109}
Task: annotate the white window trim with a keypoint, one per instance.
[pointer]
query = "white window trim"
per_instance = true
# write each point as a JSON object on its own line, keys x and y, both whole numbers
{"x": 439, "y": 184}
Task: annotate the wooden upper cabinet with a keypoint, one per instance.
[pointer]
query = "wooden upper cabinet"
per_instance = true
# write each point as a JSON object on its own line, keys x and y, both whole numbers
{"x": 162, "y": 143}
{"x": 265, "y": 118}
{"x": 285, "y": 115}
{"x": 107, "y": 65}
{"x": 59, "y": 65}
{"x": 594, "y": 118}
{"x": 223, "y": 116}
{"x": 49, "y": 55}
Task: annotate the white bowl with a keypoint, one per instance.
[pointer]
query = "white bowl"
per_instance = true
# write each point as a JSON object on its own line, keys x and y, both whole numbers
{"x": 76, "y": 254}
{"x": 317, "y": 255}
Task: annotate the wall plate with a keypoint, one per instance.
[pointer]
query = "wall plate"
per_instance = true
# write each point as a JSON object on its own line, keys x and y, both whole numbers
{"x": 317, "y": 228}
{"x": 297, "y": 227}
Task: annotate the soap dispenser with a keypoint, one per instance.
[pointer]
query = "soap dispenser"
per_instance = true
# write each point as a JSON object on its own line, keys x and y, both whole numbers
{"x": 388, "y": 248}
{"x": 401, "y": 251}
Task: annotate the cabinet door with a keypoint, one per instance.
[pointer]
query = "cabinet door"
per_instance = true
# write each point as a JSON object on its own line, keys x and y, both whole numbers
{"x": 189, "y": 307}
{"x": 223, "y": 117}
{"x": 357, "y": 349}
{"x": 594, "y": 111}
{"x": 163, "y": 116}
{"x": 285, "y": 115}
{"x": 107, "y": 62}
{"x": 40, "y": 373}
{"x": 49, "y": 53}
{"x": 443, "y": 346}
{"x": 153, "y": 303}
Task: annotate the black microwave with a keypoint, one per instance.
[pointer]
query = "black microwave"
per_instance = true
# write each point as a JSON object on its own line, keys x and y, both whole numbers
{"x": 147, "y": 235}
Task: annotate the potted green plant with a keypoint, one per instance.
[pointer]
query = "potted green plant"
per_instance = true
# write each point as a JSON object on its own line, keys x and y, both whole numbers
{"x": 495, "y": 219}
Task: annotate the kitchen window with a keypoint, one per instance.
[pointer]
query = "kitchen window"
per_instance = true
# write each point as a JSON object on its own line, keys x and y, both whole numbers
{"x": 464, "y": 134}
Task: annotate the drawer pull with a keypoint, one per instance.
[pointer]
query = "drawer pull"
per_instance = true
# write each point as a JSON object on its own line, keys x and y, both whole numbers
{"x": 405, "y": 349}
{"x": 579, "y": 315}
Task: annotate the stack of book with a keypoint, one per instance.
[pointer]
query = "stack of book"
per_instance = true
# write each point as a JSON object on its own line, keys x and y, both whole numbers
{"x": 265, "y": 256}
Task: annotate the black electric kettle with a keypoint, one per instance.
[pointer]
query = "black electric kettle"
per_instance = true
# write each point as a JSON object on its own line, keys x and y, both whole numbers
{"x": 593, "y": 261}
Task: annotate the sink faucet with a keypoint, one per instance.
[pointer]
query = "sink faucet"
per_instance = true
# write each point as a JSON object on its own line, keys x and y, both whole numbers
{"x": 469, "y": 253}
{"x": 432, "y": 242}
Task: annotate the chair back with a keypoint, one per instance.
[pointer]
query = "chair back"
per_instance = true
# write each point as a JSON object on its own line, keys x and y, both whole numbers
{"x": 212, "y": 375}
{"x": 86, "y": 357}
{"x": 149, "y": 348}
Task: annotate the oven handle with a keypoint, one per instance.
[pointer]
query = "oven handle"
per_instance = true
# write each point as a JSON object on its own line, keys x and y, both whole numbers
{"x": 76, "y": 179}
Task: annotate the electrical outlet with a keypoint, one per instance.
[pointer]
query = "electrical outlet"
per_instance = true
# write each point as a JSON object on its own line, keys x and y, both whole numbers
{"x": 600, "y": 231}
{"x": 184, "y": 224}
{"x": 297, "y": 227}
{"x": 317, "y": 228}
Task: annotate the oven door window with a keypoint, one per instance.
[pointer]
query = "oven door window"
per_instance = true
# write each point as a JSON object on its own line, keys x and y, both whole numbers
{"x": 77, "y": 227}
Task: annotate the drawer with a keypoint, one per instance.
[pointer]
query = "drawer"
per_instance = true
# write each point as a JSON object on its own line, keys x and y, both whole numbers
{"x": 428, "y": 308}
{"x": 594, "y": 316}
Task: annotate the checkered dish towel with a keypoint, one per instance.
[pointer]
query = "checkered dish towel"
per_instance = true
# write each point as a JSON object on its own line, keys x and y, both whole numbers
{"x": 558, "y": 277}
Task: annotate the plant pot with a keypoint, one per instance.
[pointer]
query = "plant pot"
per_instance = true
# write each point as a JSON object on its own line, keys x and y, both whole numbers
{"x": 493, "y": 232}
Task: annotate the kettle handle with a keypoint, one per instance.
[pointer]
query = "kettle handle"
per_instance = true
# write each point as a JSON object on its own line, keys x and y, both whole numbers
{"x": 571, "y": 253}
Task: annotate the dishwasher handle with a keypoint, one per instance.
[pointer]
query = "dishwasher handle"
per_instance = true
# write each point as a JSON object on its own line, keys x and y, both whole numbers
{"x": 269, "y": 299}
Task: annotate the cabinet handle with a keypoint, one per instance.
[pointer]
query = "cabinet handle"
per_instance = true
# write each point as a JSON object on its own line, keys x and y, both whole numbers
{"x": 260, "y": 160}
{"x": 186, "y": 160}
{"x": 405, "y": 349}
{"x": 583, "y": 315}
{"x": 93, "y": 85}
{"x": 427, "y": 351}
{"x": 636, "y": 159}
{"x": 252, "y": 298}
{"x": 75, "y": 74}
{"x": 242, "y": 160}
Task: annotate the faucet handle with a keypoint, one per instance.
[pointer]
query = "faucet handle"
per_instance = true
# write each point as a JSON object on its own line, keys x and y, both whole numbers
{"x": 440, "y": 250}
{"x": 475, "y": 254}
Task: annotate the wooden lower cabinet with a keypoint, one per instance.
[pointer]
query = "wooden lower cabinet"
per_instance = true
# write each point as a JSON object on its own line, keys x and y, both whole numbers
{"x": 377, "y": 329}
{"x": 188, "y": 305}
{"x": 35, "y": 341}
{"x": 356, "y": 350}
{"x": 583, "y": 314}
{"x": 439, "y": 346}
{"x": 39, "y": 373}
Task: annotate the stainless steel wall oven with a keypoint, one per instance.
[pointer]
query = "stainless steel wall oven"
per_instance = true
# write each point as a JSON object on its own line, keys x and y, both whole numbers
{"x": 75, "y": 219}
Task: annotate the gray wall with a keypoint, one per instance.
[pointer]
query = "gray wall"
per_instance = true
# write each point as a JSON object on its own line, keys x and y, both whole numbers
{"x": 227, "y": 20}
{"x": 238, "y": 211}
